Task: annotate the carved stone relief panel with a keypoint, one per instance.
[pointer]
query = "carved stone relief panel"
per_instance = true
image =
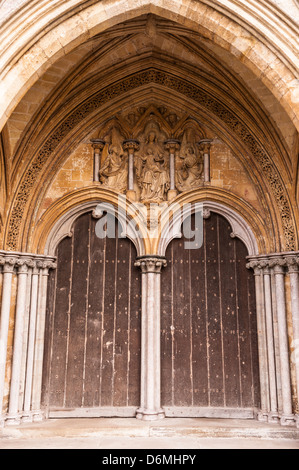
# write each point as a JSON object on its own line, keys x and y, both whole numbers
{"x": 152, "y": 154}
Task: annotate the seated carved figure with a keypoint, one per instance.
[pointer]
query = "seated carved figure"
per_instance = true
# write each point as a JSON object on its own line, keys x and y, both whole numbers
{"x": 154, "y": 180}
{"x": 114, "y": 171}
{"x": 189, "y": 176}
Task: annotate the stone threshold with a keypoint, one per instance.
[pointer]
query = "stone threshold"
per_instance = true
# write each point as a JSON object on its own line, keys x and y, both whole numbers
{"x": 168, "y": 427}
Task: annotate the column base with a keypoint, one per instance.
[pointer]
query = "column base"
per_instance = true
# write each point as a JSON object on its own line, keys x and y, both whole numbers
{"x": 150, "y": 415}
{"x": 38, "y": 416}
{"x": 288, "y": 420}
{"x": 27, "y": 418}
{"x": 262, "y": 416}
{"x": 273, "y": 417}
{"x": 13, "y": 420}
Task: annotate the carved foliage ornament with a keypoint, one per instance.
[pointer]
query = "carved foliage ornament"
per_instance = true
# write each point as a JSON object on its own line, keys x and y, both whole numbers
{"x": 134, "y": 81}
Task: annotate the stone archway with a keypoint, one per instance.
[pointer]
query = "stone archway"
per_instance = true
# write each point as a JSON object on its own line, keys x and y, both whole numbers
{"x": 79, "y": 26}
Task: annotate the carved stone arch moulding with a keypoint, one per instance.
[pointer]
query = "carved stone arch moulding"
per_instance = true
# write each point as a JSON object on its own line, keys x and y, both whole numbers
{"x": 178, "y": 85}
{"x": 63, "y": 226}
{"x": 240, "y": 228}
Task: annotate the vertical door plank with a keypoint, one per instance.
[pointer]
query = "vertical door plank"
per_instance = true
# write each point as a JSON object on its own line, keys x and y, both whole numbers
{"x": 134, "y": 361}
{"x": 182, "y": 334}
{"x": 76, "y": 348}
{"x": 199, "y": 342}
{"x": 230, "y": 328}
{"x": 167, "y": 292}
{"x": 109, "y": 314}
{"x": 61, "y": 309}
{"x": 122, "y": 333}
{"x": 95, "y": 319}
{"x": 214, "y": 314}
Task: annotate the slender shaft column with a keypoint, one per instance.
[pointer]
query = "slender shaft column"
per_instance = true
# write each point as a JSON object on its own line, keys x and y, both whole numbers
{"x": 172, "y": 145}
{"x": 205, "y": 147}
{"x": 273, "y": 415}
{"x": 8, "y": 269}
{"x": 131, "y": 146}
{"x": 287, "y": 417}
{"x": 44, "y": 266}
{"x": 98, "y": 145}
{"x": 293, "y": 269}
{"x": 150, "y": 406}
{"x": 262, "y": 341}
{"x": 26, "y": 417}
{"x": 13, "y": 411}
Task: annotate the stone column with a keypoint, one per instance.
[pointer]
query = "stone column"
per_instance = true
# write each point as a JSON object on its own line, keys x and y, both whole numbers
{"x": 13, "y": 411}
{"x": 172, "y": 145}
{"x": 262, "y": 340}
{"x": 205, "y": 147}
{"x": 26, "y": 416}
{"x": 8, "y": 270}
{"x": 44, "y": 267}
{"x": 287, "y": 417}
{"x": 131, "y": 145}
{"x": 97, "y": 145}
{"x": 150, "y": 400}
{"x": 293, "y": 270}
{"x": 273, "y": 416}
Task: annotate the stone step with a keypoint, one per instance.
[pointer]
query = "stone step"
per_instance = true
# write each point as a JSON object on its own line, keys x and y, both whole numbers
{"x": 170, "y": 427}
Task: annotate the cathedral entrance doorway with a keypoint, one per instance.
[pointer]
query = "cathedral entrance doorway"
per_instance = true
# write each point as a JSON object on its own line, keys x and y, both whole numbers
{"x": 97, "y": 355}
{"x": 208, "y": 327}
{"x": 92, "y": 362}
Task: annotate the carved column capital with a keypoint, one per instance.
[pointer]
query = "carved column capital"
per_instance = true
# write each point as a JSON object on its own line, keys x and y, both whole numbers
{"x": 258, "y": 266}
{"x": 172, "y": 145}
{"x": 9, "y": 264}
{"x": 278, "y": 265}
{"x": 292, "y": 263}
{"x": 205, "y": 145}
{"x": 151, "y": 264}
{"x": 131, "y": 145}
{"x": 23, "y": 265}
{"x": 46, "y": 264}
{"x": 98, "y": 144}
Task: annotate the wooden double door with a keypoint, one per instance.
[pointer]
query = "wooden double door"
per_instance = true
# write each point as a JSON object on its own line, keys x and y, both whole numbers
{"x": 208, "y": 327}
{"x": 209, "y": 358}
{"x": 92, "y": 353}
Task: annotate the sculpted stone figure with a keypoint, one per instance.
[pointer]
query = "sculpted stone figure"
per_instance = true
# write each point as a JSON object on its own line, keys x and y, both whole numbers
{"x": 114, "y": 171}
{"x": 189, "y": 176}
{"x": 152, "y": 173}
{"x": 154, "y": 178}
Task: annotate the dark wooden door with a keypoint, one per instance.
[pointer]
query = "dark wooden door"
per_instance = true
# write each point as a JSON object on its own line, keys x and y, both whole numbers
{"x": 92, "y": 353}
{"x": 208, "y": 321}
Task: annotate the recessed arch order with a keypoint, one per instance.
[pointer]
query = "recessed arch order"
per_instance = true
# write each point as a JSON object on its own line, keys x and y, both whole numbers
{"x": 28, "y": 53}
